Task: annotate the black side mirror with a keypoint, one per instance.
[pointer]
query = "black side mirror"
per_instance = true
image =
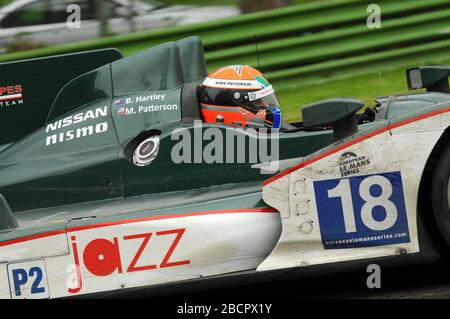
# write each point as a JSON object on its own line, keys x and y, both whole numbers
{"x": 432, "y": 77}
{"x": 339, "y": 113}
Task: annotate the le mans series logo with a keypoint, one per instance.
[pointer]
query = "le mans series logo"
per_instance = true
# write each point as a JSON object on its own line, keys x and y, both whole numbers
{"x": 350, "y": 163}
{"x": 11, "y": 95}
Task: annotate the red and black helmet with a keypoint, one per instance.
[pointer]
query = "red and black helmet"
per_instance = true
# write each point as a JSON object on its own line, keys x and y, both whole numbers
{"x": 239, "y": 95}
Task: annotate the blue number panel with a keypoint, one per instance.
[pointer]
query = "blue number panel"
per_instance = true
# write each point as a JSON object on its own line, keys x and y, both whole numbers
{"x": 331, "y": 215}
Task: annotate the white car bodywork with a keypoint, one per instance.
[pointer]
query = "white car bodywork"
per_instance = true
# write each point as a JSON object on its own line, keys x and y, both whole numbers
{"x": 138, "y": 252}
{"x": 399, "y": 151}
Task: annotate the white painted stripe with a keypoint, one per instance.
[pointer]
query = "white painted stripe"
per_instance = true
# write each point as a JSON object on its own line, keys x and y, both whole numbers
{"x": 10, "y": 97}
{"x": 232, "y": 84}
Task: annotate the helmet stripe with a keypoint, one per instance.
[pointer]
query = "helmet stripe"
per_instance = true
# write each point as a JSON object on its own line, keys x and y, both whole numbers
{"x": 220, "y": 108}
{"x": 232, "y": 84}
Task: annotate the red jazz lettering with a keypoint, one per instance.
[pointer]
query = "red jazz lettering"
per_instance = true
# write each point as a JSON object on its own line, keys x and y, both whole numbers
{"x": 165, "y": 263}
{"x": 102, "y": 257}
{"x": 74, "y": 290}
{"x": 136, "y": 257}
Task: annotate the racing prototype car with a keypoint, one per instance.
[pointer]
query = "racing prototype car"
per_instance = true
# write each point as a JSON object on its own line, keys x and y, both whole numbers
{"x": 94, "y": 201}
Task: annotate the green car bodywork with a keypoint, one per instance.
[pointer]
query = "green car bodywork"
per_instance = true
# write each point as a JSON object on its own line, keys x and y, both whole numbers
{"x": 64, "y": 156}
{"x": 61, "y": 163}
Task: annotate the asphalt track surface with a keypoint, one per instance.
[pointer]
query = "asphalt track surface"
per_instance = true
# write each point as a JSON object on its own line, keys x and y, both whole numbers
{"x": 429, "y": 281}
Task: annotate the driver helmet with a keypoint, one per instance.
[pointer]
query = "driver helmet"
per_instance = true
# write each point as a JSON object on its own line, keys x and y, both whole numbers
{"x": 239, "y": 95}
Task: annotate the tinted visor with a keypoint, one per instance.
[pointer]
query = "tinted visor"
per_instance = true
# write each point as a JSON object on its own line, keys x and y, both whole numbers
{"x": 250, "y": 100}
{"x": 262, "y": 99}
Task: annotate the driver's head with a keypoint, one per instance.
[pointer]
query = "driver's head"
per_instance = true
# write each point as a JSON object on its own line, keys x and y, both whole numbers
{"x": 239, "y": 95}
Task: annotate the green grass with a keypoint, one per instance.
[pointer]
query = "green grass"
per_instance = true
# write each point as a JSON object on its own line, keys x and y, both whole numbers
{"x": 279, "y": 54}
{"x": 365, "y": 87}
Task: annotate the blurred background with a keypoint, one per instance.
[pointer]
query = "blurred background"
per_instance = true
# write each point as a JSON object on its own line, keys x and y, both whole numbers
{"x": 309, "y": 49}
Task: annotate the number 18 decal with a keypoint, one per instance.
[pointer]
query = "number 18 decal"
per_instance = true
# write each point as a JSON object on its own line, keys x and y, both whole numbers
{"x": 362, "y": 211}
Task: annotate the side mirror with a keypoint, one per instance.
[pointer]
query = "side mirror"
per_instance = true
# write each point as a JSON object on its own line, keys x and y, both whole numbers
{"x": 432, "y": 77}
{"x": 339, "y": 113}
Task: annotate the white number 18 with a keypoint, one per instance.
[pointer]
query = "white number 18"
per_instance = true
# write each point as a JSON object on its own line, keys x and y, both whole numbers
{"x": 343, "y": 191}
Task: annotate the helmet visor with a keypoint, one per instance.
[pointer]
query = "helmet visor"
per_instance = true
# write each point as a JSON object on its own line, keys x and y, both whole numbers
{"x": 262, "y": 99}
